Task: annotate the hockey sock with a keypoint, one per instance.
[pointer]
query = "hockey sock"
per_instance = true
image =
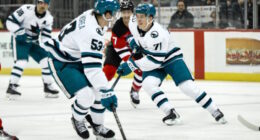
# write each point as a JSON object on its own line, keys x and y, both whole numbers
{"x": 137, "y": 82}
{"x": 1, "y": 127}
{"x": 161, "y": 101}
{"x": 46, "y": 74}
{"x": 191, "y": 89}
{"x": 109, "y": 71}
{"x": 97, "y": 112}
{"x": 79, "y": 111}
{"x": 151, "y": 86}
{"x": 84, "y": 99}
{"x": 17, "y": 71}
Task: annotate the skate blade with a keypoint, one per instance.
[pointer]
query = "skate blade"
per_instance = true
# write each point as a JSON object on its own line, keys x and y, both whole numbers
{"x": 222, "y": 121}
{"x": 171, "y": 122}
{"x": 12, "y": 97}
{"x": 49, "y": 95}
{"x": 102, "y": 138}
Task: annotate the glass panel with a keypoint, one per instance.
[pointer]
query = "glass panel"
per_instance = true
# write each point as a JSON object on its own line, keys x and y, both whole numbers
{"x": 205, "y": 14}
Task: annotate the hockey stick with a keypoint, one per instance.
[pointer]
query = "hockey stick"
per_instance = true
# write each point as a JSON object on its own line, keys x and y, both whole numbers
{"x": 114, "y": 109}
{"x": 117, "y": 79}
{"x": 118, "y": 122}
{"x": 120, "y": 73}
{"x": 248, "y": 124}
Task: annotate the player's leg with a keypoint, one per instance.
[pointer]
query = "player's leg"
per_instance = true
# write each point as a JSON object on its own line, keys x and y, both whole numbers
{"x": 183, "y": 79}
{"x": 112, "y": 62}
{"x": 40, "y": 56}
{"x": 97, "y": 115}
{"x": 151, "y": 84}
{"x": 72, "y": 81}
{"x": 136, "y": 86}
{"x": 137, "y": 82}
{"x": 21, "y": 55}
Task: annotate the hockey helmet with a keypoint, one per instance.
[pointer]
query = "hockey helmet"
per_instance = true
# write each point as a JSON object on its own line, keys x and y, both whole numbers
{"x": 45, "y": 1}
{"x": 147, "y": 9}
{"x": 126, "y": 5}
{"x": 102, "y": 6}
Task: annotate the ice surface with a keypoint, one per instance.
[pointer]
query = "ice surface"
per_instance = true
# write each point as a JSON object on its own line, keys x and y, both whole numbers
{"x": 33, "y": 117}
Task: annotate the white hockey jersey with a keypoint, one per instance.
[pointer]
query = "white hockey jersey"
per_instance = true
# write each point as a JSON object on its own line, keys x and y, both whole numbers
{"x": 82, "y": 40}
{"x": 25, "y": 18}
{"x": 158, "y": 47}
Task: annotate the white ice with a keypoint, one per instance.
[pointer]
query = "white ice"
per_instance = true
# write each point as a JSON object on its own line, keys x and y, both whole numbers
{"x": 33, "y": 117}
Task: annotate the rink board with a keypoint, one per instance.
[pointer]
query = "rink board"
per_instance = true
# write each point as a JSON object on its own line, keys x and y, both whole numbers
{"x": 205, "y": 52}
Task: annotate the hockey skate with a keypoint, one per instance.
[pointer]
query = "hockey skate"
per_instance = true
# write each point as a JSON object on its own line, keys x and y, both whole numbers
{"x": 219, "y": 117}
{"x": 100, "y": 131}
{"x": 80, "y": 128}
{"x": 12, "y": 93}
{"x": 6, "y": 136}
{"x": 134, "y": 95}
{"x": 172, "y": 118}
{"x": 50, "y": 92}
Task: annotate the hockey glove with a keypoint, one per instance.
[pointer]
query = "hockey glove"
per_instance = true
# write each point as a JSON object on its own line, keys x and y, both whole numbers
{"x": 108, "y": 99}
{"x": 21, "y": 36}
{"x": 130, "y": 39}
{"x": 127, "y": 67}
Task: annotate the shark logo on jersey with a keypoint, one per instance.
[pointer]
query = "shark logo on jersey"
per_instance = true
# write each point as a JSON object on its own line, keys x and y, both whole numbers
{"x": 99, "y": 31}
{"x": 35, "y": 29}
{"x": 154, "y": 34}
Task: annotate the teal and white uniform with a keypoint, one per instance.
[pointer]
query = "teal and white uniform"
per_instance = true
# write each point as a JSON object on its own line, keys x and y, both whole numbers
{"x": 36, "y": 26}
{"x": 160, "y": 53}
{"x": 76, "y": 63}
{"x": 160, "y": 58}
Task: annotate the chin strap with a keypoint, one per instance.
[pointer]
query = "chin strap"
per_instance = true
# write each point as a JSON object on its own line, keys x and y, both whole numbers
{"x": 112, "y": 19}
{"x": 148, "y": 23}
{"x": 108, "y": 20}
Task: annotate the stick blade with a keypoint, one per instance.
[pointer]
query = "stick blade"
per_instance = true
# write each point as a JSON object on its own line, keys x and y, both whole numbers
{"x": 248, "y": 124}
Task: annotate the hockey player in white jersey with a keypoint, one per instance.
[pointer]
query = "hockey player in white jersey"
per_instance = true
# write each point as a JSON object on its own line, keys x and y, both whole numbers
{"x": 76, "y": 65}
{"x": 26, "y": 24}
{"x": 160, "y": 58}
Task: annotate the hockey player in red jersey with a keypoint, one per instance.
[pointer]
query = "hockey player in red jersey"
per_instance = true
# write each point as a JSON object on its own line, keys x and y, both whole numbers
{"x": 118, "y": 50}
{"x": 3, "y": 134}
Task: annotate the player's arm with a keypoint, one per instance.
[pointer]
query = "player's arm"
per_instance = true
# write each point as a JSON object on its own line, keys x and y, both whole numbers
{"x": 154, "y": 54}
{"x": 91, "y": 58}
{"x": 120, "y": 45}
{"x": 151, "y": 61}
{"x": 14, "y": 21}
{"x": 46, "y": 30}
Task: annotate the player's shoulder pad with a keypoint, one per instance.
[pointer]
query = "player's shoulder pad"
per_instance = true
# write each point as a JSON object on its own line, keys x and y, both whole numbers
{"x": 28, "y": 7}
{"x": 158, "y": 31}
{"x": 119, "y": 28}
{"x": 49, "y": 16}
{"x": 86, "y": 20}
